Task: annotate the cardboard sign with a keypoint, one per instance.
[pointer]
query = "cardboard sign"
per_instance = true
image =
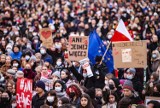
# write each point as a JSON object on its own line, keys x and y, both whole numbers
{"x": 149, "y": 98}
{"x": 130, "y": 54}
{"x": 78, "y": 48}
{"x": 24, "y": 93}
{"x": 46, "y": 37}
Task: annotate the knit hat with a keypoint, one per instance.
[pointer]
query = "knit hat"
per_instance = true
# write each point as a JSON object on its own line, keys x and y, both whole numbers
{"x": 19, "y": 74}
{"x": 11, "y": 71}
{"x": 132, "y": 70}
{"x": 56, "y": 73}
{"x": 43, "y": 47}
{"x": 128, "y": 85}
{"x": 48, "y": 60}
{"x": 9, "y": 46}
{"x": 33, "y": 58}
{"x": 41, "y": 85}
{"x": 35, "y": 37}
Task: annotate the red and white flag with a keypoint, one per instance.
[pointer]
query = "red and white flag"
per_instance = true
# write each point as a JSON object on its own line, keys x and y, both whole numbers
{"x": 121, "y": 33}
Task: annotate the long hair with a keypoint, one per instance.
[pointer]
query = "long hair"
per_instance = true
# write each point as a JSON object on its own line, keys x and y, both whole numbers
{"x": 55, "y": 102}
{"x": 89, "y": 104}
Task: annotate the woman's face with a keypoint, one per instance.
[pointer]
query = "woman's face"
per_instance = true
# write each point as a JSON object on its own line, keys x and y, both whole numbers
{"x": 63, "y": 75}
{"x": 111, "y": 99}
{"x": 151, "y": 78}
{"x": 44, "y": 69}
{"x": 9, "y": 87}
{"x": 84, "y": 101}
{"x": 3, "y": 59}
{"x": 28, "y": 66}
{"x": 8, "y": 59}
{"x": 58, "y": 85}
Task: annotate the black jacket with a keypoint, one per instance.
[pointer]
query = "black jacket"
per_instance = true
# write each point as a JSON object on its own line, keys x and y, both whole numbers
{"x": 137, "y": 85}
{"x": 100, "y": 71}
{"x": 38, "y": 101}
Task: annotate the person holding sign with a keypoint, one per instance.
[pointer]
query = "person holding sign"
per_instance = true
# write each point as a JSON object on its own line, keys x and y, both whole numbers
{"x": 87, "y": 75}
{"x": 100, "y": 71}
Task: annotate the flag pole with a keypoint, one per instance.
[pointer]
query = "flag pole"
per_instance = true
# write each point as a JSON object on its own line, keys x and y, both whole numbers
{"x": 105, "y": 52}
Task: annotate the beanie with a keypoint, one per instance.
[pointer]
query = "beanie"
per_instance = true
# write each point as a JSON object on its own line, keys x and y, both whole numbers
{"x": 56, "y": 73}
{"x": 41, "y": 85}
{"x": 33, "y": 58}
{"x": 19, "y": 74}
{"x": 132, "y": 70}
{"x": 11, "y": 71}
{"x": 128, "y": 85}
{"x": 48, "y": 60}
{"x": 9, "y": 46}
{"x": 43, "y": 47}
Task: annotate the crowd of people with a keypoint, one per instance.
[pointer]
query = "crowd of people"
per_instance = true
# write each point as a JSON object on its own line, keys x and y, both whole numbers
{"x": 61, "y": 83}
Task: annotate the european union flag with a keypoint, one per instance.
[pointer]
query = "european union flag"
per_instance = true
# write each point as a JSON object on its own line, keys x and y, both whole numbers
{"x": 97, "y": 47}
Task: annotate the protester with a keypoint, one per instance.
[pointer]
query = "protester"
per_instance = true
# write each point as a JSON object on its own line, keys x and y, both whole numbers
{"x": 40, "y": 96}
{"x": 52, "y": 99}
{"x": 85, "y": 102}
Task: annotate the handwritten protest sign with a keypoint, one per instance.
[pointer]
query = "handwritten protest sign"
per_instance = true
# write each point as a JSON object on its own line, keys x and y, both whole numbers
{"x": 24, "y": 93}
{"x": 150, "y": 98}
{"x": 78, "y": 48}
{"x": 130, "y": 54}
{"x": 46, "y": 37}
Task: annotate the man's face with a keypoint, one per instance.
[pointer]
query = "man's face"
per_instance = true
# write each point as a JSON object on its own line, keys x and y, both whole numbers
{"x": 39, "y": 90}
{"x": 127, "y": 92}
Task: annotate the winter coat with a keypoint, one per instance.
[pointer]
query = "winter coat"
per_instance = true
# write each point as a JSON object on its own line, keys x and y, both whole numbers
{"x": 137, "y": 85}
{"x": 38, "y": 101}
{"x": 155, "y": 62}
{"x": 100, "y": 72}
{"x": 16, "y": 55}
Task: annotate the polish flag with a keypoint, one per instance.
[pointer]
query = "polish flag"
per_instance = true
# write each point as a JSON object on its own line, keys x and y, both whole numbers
{"x": 121, "y": 33}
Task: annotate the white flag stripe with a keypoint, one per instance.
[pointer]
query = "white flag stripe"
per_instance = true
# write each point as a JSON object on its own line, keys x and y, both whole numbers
{"x": 122, "y": 29}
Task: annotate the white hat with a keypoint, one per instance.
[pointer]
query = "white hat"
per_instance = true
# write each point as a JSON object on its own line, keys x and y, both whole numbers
{"x": 19, "y": 74}
{"x": 9, "y": 46}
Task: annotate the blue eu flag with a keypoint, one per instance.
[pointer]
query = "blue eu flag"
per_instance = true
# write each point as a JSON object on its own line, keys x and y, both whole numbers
{"x": 97, "y": 48}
